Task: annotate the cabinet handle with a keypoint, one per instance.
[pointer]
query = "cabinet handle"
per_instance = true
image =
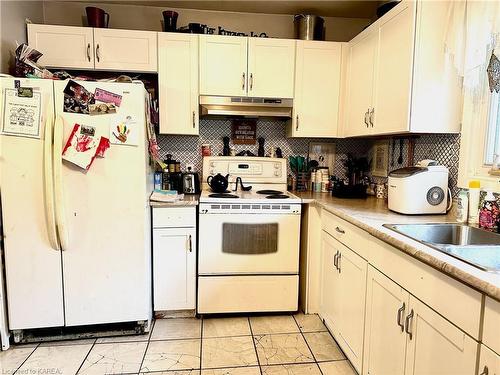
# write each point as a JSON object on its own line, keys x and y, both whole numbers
{"x": 366, "y": 116}
{"x": 338, "y": 262}
{"x": 194, "y": 123}
{"x": 251, "y": 81}
{"x": 98, "y": 55}
{"x": 340, "y": 230}
{"x": 401, "y": 311}
{"x": 190, "y": 244}
{"x": 371, "y": 113}
{"x": 335, "y": 260}
{"x": 486, "y": 371}
{"x": 88, "y": 51}
{"x": 243, "y": 81}
{"x": 408, "y": 322}
{"x": 297, "y": 123}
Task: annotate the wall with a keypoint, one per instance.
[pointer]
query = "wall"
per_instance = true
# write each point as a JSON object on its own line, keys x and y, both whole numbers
{"x": 13, "y": 27}
{"x": 150, "y": 18}
{"x": 187, "y": 149}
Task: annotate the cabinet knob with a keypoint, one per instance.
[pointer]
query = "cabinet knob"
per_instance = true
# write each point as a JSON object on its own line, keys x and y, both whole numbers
{"x": 340, "y": 230}
{"x": 339, "y": 258}
{"x": 335, "y": 260}
{"x": 372, "y": 112}
{"x": 251, "y": 81}
{"x": 194, "y": 122}
{"x": 243, "y": 81}
{"x": 297, "y": 123}
{"x": 486, "y": 371}
{"x": 366, "y": 117}
{"x": 190, "y": 244}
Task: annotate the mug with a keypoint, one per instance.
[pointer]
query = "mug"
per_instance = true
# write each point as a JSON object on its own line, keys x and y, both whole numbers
{"x": 170, "y": 20}
{"x": 380, "y": 191}
{"x": 96, "y": 17}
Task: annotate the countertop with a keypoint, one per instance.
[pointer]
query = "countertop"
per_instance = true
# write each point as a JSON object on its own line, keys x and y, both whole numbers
{"x": 370, "y": 214}
{"x": 189, "y": 200}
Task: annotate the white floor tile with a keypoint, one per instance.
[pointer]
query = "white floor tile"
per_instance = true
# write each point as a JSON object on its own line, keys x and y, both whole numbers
{"x": 310, "y": 323}
{"x": 263, "y": 325}
{"x": 337, "y": 368}
{"x": 228, "y": 352}
{"x": 172, "y": 355}
{"x": 303, "y": 369}
{"x": 11, "y": 360}
{"x": 251, "y": 370}
{"x": 63, "y": 359}
{"x": 224, "y": 327}
{"x": 282, "y": 349}
{"x": 114, "y": 358}
{"x": 323, "y": 346}
{"x": 184, "y": 328}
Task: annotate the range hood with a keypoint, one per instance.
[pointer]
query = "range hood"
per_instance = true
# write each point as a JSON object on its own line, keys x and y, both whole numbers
{"x": 244, "y": 106}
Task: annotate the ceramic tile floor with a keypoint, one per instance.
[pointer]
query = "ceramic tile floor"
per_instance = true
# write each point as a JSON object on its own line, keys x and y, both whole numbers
{"x": 262, "y": 345}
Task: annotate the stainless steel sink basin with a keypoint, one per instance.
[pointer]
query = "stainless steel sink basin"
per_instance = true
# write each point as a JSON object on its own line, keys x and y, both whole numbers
{"x": 472, "y": 245}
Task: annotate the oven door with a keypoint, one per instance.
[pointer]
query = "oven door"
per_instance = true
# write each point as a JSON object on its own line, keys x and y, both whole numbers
{"x": 248, "y": 244}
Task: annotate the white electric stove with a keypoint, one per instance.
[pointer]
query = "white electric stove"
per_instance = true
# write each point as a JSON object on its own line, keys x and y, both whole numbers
{"x": 248, "y": 240}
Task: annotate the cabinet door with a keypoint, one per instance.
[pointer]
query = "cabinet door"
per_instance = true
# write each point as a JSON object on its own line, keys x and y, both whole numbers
{"x": 63, "y": 46}
{"x": 436, "y": 346}
{"x": 489, "y": 362}
{"x": 317, "y": 89}
{"x": 352, "y": 272}
{"x": 174, "y": 268}
{"x": 385, "y": 339}
{"x": 330, "y": 283}
{"x": 125, "y": 50}
{"x": 271, "y": 67}
{"x": 393, "y": 76}
{"x": 223, "y": 65}
{"x": 362, "y": 61}
{"x": 178, "y": 83}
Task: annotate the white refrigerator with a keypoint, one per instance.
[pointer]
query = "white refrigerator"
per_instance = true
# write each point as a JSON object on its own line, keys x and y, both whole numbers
{"x": 76, "y": 243}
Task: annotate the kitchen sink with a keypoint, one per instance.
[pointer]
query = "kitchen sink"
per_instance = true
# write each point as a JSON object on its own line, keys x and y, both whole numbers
{"x": 472, "y": 245}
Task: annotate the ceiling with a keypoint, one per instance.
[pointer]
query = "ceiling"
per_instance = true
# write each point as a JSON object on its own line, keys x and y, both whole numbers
{"x": 326, "y": 8}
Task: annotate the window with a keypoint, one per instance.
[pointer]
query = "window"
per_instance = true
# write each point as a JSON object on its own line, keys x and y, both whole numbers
{"x": 492, "y": 141}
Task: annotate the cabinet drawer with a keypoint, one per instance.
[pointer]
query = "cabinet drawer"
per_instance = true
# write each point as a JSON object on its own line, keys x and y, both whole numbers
{"x": 174, "y": 217}
{"x": 491, "y": 327}
{"x": 346, "y": 233}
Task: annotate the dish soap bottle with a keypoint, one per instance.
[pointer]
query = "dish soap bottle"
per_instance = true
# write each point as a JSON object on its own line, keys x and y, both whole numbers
{"x": 463, "y": 206}
{"x": 489, "y": 212}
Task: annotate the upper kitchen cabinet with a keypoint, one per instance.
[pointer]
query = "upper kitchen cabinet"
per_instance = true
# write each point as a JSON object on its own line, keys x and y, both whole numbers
{"x": 271, "y": 67}
{"x": 125, "y": 50}
{"x": 240, "y": 66}
{"x": 63, "y": 46}
{"x": 223, "y": 65}
{"x": 89, "y": 48}
{"x": 403, "y": 82}
{"x": 317, "y": 89}
{"x": 178, "y": 83}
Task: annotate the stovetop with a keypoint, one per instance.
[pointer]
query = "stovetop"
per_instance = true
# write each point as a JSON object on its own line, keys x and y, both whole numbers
{"x": 208, "y": 196}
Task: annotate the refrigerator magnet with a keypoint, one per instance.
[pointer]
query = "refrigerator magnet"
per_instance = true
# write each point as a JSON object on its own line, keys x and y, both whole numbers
{"x": 124, "y": 132}
{"x": 21, "y": 114}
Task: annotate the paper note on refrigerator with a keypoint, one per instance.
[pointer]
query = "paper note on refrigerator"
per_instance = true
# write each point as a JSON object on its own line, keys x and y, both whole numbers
{"x": 124, "y": 131}
{"x": 21, "y": 114}
{"x": 84, "y": 145}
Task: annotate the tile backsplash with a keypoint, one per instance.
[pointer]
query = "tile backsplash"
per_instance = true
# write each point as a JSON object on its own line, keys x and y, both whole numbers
{"x": 187, "y": 149}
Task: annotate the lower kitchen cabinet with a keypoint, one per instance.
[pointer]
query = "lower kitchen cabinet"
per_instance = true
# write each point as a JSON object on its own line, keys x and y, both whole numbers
{"x": 489, "y": 361}
{"x": 174, "y": 259}
{"x": 343, "y": 296}
{"x": 404, "y": 336}
{"x": 385, "y": 337}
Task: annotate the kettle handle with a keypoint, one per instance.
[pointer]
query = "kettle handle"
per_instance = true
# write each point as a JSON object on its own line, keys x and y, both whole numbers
{"x": 208, "y": 180}
{"x": 450, "y": 200}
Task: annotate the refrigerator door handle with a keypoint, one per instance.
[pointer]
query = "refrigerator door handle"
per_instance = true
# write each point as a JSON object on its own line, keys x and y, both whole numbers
{"x": 61, "y": 229}
{"x": 49, "y": 184}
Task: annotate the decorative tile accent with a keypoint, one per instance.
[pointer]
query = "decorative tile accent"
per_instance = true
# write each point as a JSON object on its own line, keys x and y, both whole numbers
{"x": 262, "y": 325}
{"x": 323, "y": 346}
{"x": 282, "y": 349}
{"x": 187, "y": 149}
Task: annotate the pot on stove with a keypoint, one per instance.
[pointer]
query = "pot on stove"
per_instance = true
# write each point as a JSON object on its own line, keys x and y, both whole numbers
{"x": 218, "y": 183}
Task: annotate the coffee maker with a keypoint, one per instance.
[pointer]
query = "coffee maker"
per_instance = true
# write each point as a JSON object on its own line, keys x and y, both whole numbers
{"x": 190, "y": 182}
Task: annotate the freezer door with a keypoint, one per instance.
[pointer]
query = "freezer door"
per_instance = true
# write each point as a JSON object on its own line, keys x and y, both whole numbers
{"x": 106, "y": 259}
{"x": 32, "y": 259}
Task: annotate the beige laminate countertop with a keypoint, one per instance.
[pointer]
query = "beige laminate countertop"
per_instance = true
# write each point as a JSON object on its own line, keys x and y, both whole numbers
{"x": 189, "y": 200}
{"x": 370, "y": 214}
